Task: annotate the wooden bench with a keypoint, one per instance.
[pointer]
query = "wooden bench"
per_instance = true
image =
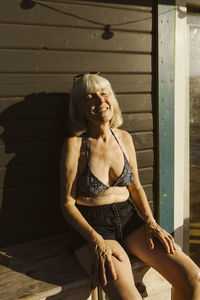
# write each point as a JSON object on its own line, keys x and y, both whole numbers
{"x": 45, "y": 268}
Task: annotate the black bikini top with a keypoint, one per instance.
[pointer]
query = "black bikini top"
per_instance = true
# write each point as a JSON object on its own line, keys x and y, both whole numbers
{"x": 89, "y": 185}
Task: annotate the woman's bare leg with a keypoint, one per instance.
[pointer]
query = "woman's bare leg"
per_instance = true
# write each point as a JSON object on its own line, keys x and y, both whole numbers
{"x": 121, "y": 289}
{"x": 178, "y": 268}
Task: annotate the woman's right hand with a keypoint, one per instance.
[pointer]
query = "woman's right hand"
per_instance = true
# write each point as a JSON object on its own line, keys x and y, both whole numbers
{"x": 103, "y": 264}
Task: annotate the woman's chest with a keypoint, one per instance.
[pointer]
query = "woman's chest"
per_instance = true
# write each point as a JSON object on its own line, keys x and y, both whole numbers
{"x": 106, "y": 163}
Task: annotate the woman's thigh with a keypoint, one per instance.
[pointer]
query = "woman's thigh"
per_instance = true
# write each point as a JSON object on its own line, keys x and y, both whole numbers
{"x": 177, "y": 268}
{"x": 124, "y": 286}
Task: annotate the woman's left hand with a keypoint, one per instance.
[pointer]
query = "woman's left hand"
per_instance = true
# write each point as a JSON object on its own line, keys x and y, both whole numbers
{"x": 152, "y": 230}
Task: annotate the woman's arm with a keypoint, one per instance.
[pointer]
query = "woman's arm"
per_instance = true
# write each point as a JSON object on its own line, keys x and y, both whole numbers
{"x": 68, "y": 179}
{"x": 68, "y": 174}
{"x": 139, "y": 197}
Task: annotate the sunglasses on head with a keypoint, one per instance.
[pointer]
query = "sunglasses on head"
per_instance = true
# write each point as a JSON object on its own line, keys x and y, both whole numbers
{"x": 81, "y": 75}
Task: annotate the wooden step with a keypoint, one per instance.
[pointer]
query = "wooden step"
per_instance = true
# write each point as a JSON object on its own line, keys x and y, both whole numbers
{"x": 46, "y": 268}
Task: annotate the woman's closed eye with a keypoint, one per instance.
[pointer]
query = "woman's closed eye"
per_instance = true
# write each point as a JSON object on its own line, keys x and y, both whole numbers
{"x": 93, "y": 96}
{"x": 104, "y": 94}
{"x": 89, "y": 96}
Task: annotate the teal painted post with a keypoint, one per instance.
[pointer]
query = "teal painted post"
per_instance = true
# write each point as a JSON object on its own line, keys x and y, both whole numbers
{"x": 166, "y": 32}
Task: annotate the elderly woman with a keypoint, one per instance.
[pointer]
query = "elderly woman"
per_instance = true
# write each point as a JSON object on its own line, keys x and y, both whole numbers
{"x": 98, "y": 174}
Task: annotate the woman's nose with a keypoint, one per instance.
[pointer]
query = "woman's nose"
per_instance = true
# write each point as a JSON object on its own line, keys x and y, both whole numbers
{"x": 99, "y": 97}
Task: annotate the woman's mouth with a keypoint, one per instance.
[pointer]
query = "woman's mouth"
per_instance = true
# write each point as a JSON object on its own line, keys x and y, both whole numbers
{"x": 101, "y": 109}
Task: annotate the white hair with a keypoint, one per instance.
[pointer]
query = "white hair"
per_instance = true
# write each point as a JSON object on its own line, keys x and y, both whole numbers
{"x": 90, "y": 83}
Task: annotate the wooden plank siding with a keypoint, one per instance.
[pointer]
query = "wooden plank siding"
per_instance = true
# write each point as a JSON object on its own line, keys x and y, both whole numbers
{"x": 41, "y": 49}
{"x": 14, "y": 85}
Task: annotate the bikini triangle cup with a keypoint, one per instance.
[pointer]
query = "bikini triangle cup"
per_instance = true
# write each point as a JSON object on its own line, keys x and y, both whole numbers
{"x": 89, "y": 185}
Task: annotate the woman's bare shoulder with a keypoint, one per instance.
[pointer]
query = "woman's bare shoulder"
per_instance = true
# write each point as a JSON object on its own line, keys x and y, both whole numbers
{"x": 73, "y": 140}
{"x": 123, "y": 135}
{"x": 72, "y": 144}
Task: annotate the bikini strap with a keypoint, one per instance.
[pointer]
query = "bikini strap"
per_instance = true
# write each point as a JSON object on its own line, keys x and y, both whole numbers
{"x": 117, "y": 140}
{"x": 87, "y": 144}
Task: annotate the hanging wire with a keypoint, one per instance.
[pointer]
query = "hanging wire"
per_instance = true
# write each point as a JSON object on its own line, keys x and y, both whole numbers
{"x": 107, "y": 34}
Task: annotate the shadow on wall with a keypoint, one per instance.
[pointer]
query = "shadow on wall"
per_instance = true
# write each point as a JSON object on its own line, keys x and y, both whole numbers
{"x": 32, "y": 133}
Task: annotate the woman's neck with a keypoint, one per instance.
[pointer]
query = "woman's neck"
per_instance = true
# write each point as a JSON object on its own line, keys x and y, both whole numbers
{"x": 102, "y": 132}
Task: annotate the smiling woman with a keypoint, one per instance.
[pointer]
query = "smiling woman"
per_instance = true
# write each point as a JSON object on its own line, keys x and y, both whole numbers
{"x": 98, "y": 106}
{"x": 98, "y": 94}
{"x": 98, "y": 174}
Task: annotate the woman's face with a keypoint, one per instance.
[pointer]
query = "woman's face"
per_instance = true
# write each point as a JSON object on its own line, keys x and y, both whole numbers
{"x": 98, "y": 107}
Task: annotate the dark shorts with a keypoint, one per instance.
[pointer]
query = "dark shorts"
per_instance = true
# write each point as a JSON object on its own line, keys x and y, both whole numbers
{"x": 112, "y": 221}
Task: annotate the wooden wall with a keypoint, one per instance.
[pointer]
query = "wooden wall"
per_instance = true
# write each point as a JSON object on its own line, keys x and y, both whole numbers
{"x": 43, "y": 45}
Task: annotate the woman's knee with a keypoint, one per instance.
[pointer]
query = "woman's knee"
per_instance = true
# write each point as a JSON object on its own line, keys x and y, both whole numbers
{"x": 191, "y": 284}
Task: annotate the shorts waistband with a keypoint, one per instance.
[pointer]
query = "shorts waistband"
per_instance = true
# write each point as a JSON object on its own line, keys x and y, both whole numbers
{"x": 106, "y": 206}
